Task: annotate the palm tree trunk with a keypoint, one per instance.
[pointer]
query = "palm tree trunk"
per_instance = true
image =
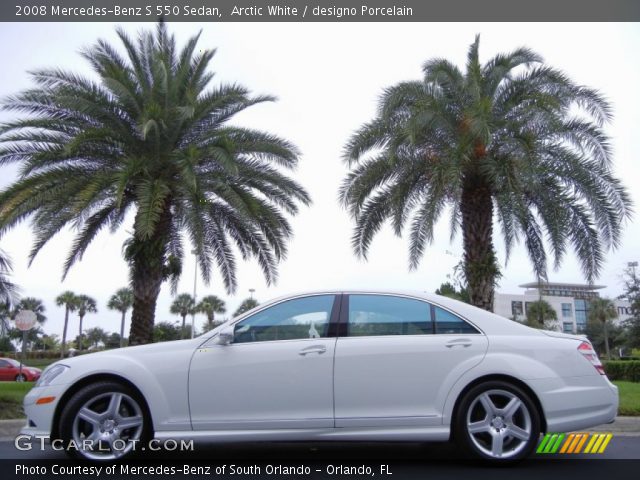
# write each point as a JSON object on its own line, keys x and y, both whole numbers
{"x": 606, "y": 340}
{"x": 124, "y": 314}
{"x": 64, "y": 331}
{"x": 480, "y": 266}
{"x": 147, "y": 274}
{"x": 146, "y": 288}
{"x": 184, "y": 318}
{"x": 210, "y": 318}
{"x": 80, "y": 335}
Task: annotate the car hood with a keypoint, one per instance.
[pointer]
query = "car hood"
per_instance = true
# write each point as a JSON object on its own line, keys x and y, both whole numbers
{"x": 138, "y": 351}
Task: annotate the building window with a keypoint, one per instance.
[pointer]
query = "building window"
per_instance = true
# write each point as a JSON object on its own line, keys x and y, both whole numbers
{"x": 566, "y": 310}
{"x": 582, "y": 313}
{"x": 516, "y": 309}
{"x": 567, "y": 327}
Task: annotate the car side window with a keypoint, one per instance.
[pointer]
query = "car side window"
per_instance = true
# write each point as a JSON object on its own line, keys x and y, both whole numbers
{"x": 374, "y": 315}
{"x": 4, "y": 363}
{"x": 447, "y": 323}
{"x": 300, "y": 318}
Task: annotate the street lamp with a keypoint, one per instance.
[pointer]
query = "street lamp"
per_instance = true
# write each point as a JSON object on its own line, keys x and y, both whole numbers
{"x": 251, "y": 291}
{"x": 195, "y": 282}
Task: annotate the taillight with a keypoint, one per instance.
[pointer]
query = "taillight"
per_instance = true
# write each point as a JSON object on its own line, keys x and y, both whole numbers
{"x": 587, "y": 351}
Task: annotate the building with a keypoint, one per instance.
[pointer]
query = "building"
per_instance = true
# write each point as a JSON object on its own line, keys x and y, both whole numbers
{"x": 569, "y": 300}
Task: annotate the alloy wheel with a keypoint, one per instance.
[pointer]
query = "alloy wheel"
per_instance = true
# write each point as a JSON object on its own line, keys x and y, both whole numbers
{"x": 107, "y": 426}
{"x": 499, "y": 423}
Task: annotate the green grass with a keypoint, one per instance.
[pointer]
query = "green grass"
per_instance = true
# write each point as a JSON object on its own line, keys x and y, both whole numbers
{"x": 11, "y": 395}
{"x": 40, "y": 362}
{"x": 629, "y": 398}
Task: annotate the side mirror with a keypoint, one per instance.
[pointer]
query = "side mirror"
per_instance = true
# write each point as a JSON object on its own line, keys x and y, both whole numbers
{"x": 225, "y": 337}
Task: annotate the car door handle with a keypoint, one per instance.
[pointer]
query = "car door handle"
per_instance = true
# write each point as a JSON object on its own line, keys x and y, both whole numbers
{"x": 461, "y": 342}
{"x": 319, "y": 349}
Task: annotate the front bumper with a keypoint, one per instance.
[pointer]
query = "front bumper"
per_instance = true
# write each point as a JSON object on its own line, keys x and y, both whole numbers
{"x": 40, "y": 416}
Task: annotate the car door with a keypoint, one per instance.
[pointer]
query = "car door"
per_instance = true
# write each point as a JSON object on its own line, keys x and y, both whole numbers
{"x": 396, "y": 359}
{"x": 277, "y": 372}
{"x": 5, "y": 370}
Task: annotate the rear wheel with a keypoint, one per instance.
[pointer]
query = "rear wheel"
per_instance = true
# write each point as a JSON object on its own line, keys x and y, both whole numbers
{"x": 21, "y": 377}
{"x": 497, "y": 421}
{"x": 103, "y": 421}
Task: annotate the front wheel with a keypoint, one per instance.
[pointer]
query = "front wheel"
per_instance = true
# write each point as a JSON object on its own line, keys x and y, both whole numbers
{"x": 103, "y": 421}
{"x": 497, "y": 421}
{"x": 21, "y": 377}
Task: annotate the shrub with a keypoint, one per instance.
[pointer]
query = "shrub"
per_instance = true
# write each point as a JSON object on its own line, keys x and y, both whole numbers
{"x": 623, "y": 370}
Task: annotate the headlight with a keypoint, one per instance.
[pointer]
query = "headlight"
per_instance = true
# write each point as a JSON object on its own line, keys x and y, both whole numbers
{"x": 49, "y": 374}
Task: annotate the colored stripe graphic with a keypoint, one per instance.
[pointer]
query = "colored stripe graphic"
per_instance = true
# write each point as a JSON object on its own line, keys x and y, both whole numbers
{"x": 573, "y": 443}
{"x": 556, "y": 446}
{"x": 543, "y": 443}
{"x": 605, "y": 443}
{"x": 582, "y": 440}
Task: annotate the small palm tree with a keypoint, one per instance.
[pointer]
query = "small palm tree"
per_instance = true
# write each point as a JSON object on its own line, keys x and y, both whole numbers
{"x": 121, "y": 301}
{"x": 210, "y": 305}
{"x": 96, "y": 335}
{"x": 602, "y": 310}
{"x": 69, "y": 300}
{"x": 85, "y": 304}
{"x": 35, "y": 305}
{"x": 8, "y": 289}
{"x": 511, "y": 140}
{"x": 183, "y": 305}
{"x": 246, "y": 305}
{"x": 541, "y": 315}
{"x": 149, "y": 137}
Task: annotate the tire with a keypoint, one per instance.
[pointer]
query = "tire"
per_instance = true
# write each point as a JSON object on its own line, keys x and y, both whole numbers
{"x": 497, "y": 422}
{"x": 21, "y": 377}
{"x": 91, "y": 423}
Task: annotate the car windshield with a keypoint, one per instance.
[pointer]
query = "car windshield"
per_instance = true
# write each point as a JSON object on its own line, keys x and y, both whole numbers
{"x": 12, "y": 362}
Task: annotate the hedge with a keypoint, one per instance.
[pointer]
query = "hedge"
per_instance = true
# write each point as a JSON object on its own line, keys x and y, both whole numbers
{"x": 622, "y": 370}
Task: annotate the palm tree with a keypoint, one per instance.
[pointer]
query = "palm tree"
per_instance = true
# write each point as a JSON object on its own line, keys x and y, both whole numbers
{"x": 183, "y": 305}
{"x": 121, "y": 301}
{"x": 541, "y": 315}
{"x": 149, "y": 136}
{"x": 85, "y": 304}
{"x": 210, "y": 305}
{"x": 602, "y": 310}
{"x": 8, "y": 289}
{"x": 96, "y": 335}
{"x": 511, "y": 140}
{"x": 246, "y": 305}
{"x": 35, "y": 305}
{"x": 70, "y": 302}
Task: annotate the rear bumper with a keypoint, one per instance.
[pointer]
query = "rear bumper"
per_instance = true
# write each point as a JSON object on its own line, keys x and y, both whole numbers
{"x": 576, "y": 403}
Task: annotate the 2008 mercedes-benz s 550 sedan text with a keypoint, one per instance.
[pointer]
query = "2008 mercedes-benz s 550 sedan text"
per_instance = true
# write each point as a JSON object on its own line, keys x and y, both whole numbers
{"x": 335, "y": 365}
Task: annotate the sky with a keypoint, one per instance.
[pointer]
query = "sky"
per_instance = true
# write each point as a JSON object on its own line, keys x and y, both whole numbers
{"x": 327, "y": 77}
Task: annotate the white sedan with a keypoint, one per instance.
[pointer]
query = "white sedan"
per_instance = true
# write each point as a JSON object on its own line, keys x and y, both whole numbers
{"x": 335, "y": 365}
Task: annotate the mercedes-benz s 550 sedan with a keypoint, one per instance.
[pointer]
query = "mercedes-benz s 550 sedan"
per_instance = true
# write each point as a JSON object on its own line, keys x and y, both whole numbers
{"x": 335, "y": 365}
